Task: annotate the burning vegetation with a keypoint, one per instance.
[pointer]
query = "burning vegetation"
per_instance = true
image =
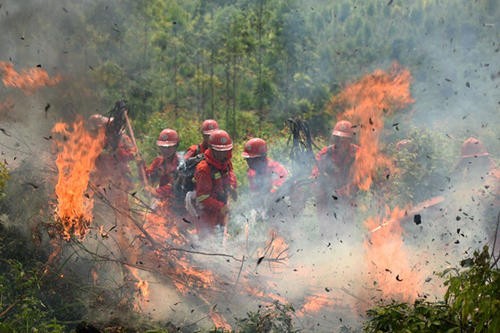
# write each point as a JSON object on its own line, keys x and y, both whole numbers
{"x": 317, "y": 241}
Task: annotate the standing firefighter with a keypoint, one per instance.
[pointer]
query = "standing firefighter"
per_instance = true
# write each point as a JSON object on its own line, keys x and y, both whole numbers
{"x": 163, "y": 169}
{"x": 333, "y": 167}
{"x": 207, "y": 128}
{"x": 265, "y": 175}
{"x": 476, "y": 181}
{"x": 215, "y": 181}
{"x": 112, "y": 175}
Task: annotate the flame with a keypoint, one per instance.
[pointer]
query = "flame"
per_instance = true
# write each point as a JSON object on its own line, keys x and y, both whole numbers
{"x": 220, "y": 322}
{"x": 188, "y": 276}
{"x": 77, "y": 152}
{"x": 275, "y": 252}
{"x": 141, "y": 290}
{"x": 315, "y": 303}
{"x": 387, "y": 261}
{"x": 366, "y": 102}
{"x": 162, "y": 228}
{"x": 28, "y": 80}
{"x": 160, "y": 225}
{"x": 262, "y": 294}
{"x": 95, "y": 276}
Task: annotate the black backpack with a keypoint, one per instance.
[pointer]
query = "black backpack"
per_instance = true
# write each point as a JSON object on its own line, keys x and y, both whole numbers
{"x": 185, "y": 176}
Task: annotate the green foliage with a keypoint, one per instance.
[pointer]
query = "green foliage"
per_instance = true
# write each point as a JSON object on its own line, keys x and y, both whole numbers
{"x": 471, "y": 304}
{"x": 474, "y": 295}
{"x": 4, "y": 176}
{"x": 276, "y": 318}
{"x": 188, "y": 129}
{"x": 422, "y": 166}
{"x": 401, "y": 317}
{"x": 20, "y": 300}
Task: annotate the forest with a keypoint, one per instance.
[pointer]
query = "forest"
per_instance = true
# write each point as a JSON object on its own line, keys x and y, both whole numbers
{"x": 414, "y": 250}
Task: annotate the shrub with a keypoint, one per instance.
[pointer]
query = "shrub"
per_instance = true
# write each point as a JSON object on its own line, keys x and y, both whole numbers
{"x": 471, "y": 303}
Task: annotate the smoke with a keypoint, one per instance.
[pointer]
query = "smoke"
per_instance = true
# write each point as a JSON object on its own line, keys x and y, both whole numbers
{"x": 316, "y": 263}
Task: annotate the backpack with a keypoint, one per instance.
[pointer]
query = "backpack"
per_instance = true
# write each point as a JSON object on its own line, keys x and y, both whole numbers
{"x": 184, "y": 182}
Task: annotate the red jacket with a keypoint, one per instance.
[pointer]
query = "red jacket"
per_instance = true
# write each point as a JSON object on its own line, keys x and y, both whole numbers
{"x": 271, "y": 179}
{"x": 164, "y": 171}
{"x": 333, "y": 170}
{"x": 214, "y": 183}
{"x": 113, "y": 163}
{"x": 195, "y": 150}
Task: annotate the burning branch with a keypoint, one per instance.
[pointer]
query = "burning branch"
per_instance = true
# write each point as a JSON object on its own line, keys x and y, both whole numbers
{"x": 414, "y": 210}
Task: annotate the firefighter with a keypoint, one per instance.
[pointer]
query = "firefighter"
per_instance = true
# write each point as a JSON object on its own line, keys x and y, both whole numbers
{"x": 207, "y": 127}
{"x": 112, "y": 174}
{"x": 476, "y": 174}
{"x": 475, "y": 195}
{"x": 475, "y": 162}
{"x": 163, "y": 168}
{"x": 333, "y": 167}
{"x": 264, "y": 174}
{"x": 215, "y": 182}
{"x": 164, "y": 222}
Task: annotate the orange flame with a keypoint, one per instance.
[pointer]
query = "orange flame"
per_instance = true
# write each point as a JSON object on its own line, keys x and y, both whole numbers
{"x": 220, "y": 322}
{"x": 367, "y": 102}
{"x": 275, "y": 253}
{"x": 142, "y": 290}
{"x": 28, "y": 80}
{"x": 77, "y": 152}
{"x": 315, "y": 303}
{"x": 387, "y": 259}
{"x": 160, "y": 225}
{"x": 189, "y": 276}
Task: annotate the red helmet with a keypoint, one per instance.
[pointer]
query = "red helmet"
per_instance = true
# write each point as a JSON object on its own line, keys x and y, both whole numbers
{"x": 472, "y": 147}
{"x": 219, "y": 140}
{"x": 167, "y": 138}
{"x": 255, "y": 147}
{"x": 343, "y": 128}
{"x": 209, "y": 126}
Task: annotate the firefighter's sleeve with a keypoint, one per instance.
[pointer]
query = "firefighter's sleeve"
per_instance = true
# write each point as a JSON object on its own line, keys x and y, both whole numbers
{"x": 203, "y": 180}
{"x": 151, "y": 171}
{"x": 126, "y": 149}
{"x": 319, "y": 156}
{"x": 190, "y": 152}
{"x": 278, "y": 177}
